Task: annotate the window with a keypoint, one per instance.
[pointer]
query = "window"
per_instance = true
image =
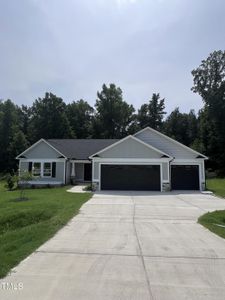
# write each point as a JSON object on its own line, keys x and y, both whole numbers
{"x": 36, "y": 169}
{"x": 47, "y": 169}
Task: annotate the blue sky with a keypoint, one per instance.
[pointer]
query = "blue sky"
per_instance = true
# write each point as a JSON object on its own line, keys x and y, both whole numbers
{"x": 72, "y": 47}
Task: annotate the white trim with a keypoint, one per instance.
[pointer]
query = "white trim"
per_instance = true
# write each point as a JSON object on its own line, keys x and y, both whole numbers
{"x": 44, "y": 182}
{"x": 168, "y": 171}
{"x": 49, "y": 176}
{"x": 132, "y": 160}
{"x": 84, "y": 161}
{"x": 161, "y": 179}
{"x": 193, "y": 160}
{"x": 19, "y": 168}
{"x": 42, "y": 159}
{"x": 203, "y": 170}
{"x": 92, "y": 174}
{"x": 95, "y": 180}
{"x": 41, "y": 169}
{"x": 83, "y": 172}
{"x": 134, "y": 138}
{"x": 172, "y": 140}
{"x": 73, "y": 169}
{"x": 35, "y": 144}
{"x": 131, "y": 163}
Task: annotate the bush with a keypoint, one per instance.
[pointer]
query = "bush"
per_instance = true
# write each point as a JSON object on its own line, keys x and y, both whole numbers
{"x": 10, "y": 182}
{"x": 88, "y": 187}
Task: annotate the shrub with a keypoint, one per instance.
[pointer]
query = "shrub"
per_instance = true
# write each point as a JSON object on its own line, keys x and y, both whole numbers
{"x": 88, "y": 187}
{"x": 10, "y": 182}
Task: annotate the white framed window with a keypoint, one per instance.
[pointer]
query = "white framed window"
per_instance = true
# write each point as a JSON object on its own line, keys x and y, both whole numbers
{"x": 36, "y": 169}
{"x": 47, "y": 169}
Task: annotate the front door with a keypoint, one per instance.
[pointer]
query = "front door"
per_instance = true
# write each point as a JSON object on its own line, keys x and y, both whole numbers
{"x": 87, "y": 172}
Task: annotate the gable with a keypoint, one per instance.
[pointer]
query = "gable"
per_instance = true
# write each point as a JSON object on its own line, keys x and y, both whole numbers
{"x": 129, "y": 148}
{"x": 40, "y": 150}
{"x": 166, "y": 144}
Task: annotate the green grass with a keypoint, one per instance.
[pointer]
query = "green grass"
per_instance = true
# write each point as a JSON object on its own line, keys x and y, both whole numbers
{"x": 25, "y": 225}
{"x": 211, "y": 220}
{"x": 216, "y": 185}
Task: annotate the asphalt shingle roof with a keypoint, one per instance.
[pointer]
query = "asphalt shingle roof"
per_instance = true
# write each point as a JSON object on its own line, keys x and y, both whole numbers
{"x": 80, "y": 148}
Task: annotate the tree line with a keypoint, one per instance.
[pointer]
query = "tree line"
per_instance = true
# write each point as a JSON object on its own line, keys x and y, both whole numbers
{"x": 113, "y": 117}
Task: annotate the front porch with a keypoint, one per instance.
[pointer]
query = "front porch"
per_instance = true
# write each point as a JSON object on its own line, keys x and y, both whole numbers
{"x": 80, "y": 171}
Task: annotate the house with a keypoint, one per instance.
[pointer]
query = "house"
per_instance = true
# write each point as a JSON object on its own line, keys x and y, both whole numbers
{"x": 147, "y": 160}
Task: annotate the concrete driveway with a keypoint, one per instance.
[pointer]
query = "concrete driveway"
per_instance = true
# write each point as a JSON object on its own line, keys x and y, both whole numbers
{"x": 128, "y": 246}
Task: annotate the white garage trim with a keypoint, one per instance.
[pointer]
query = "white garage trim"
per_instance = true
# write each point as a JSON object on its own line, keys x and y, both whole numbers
{"x": 130, "y": 163}
{"x": 128, "y": 160}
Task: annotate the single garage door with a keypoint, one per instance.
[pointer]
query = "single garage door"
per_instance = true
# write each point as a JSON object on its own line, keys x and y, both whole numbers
{"x": 184, "y": 177}
{"x": 130, "y": 177}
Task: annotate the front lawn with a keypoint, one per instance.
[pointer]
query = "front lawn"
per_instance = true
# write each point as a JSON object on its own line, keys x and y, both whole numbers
{"x": 213, "y": 219}
{"x": 25, "y": 225}
{"x": 217, "y": 186}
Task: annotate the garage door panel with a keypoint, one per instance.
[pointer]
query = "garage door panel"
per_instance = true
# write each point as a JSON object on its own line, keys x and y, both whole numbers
{"x": 185, "y": 177}
{"x": 130, "y": 177}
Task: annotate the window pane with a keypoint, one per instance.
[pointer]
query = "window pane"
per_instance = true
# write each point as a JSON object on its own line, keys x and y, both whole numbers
{"x": 37, "y": 169}
{"x": 47, "y": 169}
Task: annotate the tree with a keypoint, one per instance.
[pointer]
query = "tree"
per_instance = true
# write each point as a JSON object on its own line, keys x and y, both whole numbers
{"x": 209, "y": 83}
{"x": 8, "y": 128}
{"x": 49, "y": 119}
{"x": 80, "y": 116}
{"x": 182, "y": 127}
{"x": 17, "y": 145}
{"x": 176, "y": 125}
{"x": 151, "y": 114}
{"x": 113, "y": 115}
{"x": 24, "y": 115}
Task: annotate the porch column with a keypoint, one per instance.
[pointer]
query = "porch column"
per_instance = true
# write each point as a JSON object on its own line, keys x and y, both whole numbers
{"x": 73, "y": 173}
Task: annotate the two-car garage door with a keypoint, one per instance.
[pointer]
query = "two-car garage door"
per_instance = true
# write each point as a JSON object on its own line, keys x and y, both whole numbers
{"x": 130, "y": 177}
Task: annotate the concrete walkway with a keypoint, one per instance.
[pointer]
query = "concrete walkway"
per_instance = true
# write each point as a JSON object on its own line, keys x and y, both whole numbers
{"x": 128, "y": 246}
{"x": 79, "y": 188}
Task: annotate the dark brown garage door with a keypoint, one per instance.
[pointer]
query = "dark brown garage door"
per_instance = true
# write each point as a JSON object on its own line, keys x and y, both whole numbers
{"x": 130, "y": 177}
{"x": 184, "y": 177}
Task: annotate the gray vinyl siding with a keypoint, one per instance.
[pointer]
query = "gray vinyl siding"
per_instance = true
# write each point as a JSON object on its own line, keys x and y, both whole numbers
{"x": 165, "y": 170}
{"x": 59, "y": 174}
{"x": 42, "y": 150}
{"x": 24, "y": 165}
{"x": 79, "y": 171}
{"x": 173, "y": 149}
{"x": 130, "y": 149}
{"x": 95, "y": 176}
